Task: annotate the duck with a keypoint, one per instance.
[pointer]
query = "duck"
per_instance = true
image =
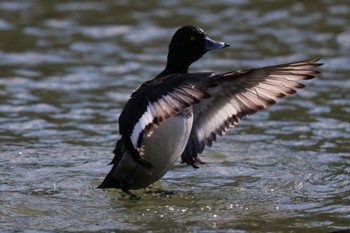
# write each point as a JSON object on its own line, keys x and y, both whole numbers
{"x": 177, "y": 114}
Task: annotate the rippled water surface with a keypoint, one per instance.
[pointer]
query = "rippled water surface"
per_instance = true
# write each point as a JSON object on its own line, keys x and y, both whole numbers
{"x": 67, "y": 68}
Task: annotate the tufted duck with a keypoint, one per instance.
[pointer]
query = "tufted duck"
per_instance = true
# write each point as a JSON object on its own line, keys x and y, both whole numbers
{"x": 179, "y": 113}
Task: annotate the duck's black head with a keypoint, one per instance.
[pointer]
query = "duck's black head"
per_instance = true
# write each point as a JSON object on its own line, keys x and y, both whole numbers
{"x": 188, "y": 44}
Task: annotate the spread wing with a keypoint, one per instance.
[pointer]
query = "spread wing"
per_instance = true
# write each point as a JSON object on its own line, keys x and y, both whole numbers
{"x": 240, "y": 93}
{"x": 154, "y": 102}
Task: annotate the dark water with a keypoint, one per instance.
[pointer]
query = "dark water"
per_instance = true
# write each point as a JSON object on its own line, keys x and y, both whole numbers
{"x": 67, "y": 68}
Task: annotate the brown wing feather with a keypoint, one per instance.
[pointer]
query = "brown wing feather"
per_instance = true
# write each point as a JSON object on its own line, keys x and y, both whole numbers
{"x": 241, "y": 93}
{"x": 163, "y": 108}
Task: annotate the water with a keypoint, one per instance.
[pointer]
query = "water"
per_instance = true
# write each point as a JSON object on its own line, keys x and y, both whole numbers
{"x": 67, "y": 68}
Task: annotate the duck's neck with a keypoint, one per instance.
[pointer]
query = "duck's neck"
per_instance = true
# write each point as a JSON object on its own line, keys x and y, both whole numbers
{"x": 173, "y": 70}
{"x": 176, "y": 64}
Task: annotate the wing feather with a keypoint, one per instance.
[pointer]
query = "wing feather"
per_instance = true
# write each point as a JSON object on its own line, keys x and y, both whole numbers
{"x": 240, "y": 93}
{"x": 163, "y": 98}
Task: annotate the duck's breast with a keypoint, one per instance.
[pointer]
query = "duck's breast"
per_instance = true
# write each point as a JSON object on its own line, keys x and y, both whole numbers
{"x": 162, "y": 149}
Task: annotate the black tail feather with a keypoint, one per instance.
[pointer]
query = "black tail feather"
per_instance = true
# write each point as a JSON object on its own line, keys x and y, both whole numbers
{"x": 109, "y": 182}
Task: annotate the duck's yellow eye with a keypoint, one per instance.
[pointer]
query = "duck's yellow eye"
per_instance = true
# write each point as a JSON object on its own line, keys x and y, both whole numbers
{"x": 192, "y": 38}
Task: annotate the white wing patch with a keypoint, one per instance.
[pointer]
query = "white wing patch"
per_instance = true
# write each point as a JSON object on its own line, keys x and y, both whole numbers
{"x": 166, "y": 106}
{"x": 145, "y": 120}
{"x": 214, "y": 120}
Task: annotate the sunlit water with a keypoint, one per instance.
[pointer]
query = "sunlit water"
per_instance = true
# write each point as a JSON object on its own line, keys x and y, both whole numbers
{"x": 67, "y": 68}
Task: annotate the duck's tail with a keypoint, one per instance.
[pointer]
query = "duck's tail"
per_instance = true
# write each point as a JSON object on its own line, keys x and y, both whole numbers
{"x": 109, "y": 181}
